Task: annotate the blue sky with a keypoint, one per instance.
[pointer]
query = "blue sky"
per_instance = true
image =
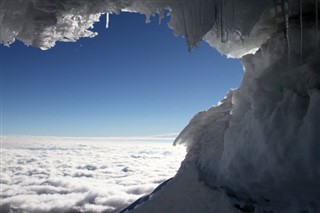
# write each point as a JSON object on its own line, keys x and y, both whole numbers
{"x": 132, "y": 79}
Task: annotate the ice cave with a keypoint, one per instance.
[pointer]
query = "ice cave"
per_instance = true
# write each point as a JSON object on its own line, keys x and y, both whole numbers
{"x": 259, "y": 149}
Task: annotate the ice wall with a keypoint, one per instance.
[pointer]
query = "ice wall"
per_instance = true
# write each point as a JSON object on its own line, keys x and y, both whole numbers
{"x": 269, "y": 151}
{"x": 272, "y": 144}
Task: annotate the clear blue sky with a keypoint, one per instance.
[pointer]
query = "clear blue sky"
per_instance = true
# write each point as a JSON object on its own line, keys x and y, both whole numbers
{"x": 132, "y": 79}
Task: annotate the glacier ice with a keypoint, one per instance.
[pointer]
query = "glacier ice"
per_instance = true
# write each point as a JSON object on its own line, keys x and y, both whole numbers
{"x": 259, "y": 149}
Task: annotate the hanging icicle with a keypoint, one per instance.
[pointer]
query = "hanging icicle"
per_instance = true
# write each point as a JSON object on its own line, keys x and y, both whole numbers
{"x": 220, "y": 14}
{"x": 301, "y": 29}
{"x": 107, "y": 20}
{"x": 161, "y": 15}
{"x": 317, "y": 21}
{"x": 189, "y": 44}
{"x": 233, "y": 24}
{"x": 223, "y": 32}
{"x": 275, "y": 15}
{"x": 216, "y": 13}
{"x": 285, "y": 11}
{"x": 201, "y": 13}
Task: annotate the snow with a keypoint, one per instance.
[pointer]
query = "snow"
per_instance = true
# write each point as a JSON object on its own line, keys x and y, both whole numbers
{"x": 186, "y": 193}
{"x": 257, "y": 151}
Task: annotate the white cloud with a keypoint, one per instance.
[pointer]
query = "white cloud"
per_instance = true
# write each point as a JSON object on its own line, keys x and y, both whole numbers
{"x": 51, "y": 174}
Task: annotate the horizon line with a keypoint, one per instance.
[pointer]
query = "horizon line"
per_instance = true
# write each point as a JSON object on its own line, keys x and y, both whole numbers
{"x": 165, "y": 136}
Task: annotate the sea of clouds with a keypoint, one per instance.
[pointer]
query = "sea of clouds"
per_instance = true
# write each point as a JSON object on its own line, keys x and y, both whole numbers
{"x": 54, "y": 174}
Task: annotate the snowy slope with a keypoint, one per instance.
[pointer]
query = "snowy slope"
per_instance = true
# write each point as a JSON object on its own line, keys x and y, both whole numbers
{"x": 187, "y": 192}
{"x": 258, "y": 151}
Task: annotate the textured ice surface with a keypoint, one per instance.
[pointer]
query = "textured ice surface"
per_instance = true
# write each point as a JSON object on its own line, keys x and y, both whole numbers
{"x": 269, "y": 152}
{"x": 271, "y": 147}
{"x": 42, "y": 23}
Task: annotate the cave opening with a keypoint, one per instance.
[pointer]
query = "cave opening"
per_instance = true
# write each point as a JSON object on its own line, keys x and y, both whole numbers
{"x": 132, "y": 79}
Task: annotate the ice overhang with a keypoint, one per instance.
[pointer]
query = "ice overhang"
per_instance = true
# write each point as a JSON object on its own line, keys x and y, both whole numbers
{"x": 233, "y": 27}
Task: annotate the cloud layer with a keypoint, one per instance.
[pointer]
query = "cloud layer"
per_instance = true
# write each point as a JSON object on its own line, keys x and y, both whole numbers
{"x": 50, "y": 174}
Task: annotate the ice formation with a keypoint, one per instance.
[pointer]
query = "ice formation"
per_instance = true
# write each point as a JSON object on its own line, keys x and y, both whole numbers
{"x": 41, "y": 23}
{"x": 258, "y": 151}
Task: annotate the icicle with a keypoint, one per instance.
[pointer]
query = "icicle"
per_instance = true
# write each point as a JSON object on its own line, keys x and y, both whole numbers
{"x": 107, "y": 20}
{"x": 216, "y": 14}
{"x": 301, "y": 29}
{"x": 233, "y": 25}
{"x": 275, "y": 15}
{"x": 216, "y": 19}
{"x": 161, "y": 15}
{"x": 224, "y": 34}
{"x": 148, "y": 18}
{"x": 201, "y": 13}
{"x": 189, "y": 44}
{"x": 285, "y": 11}
{"x": 317, "y": 20}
